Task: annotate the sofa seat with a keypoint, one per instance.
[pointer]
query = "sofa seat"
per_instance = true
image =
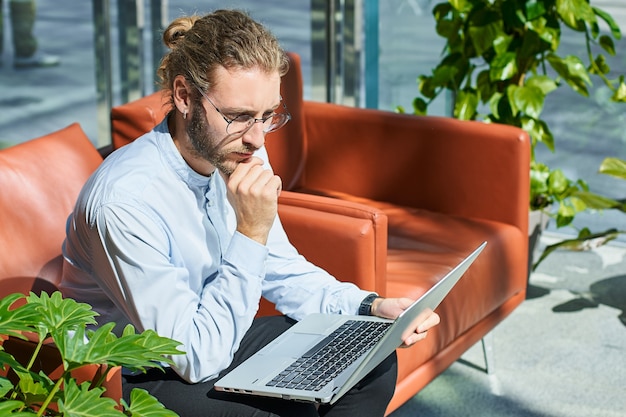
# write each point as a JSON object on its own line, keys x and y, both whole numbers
{"x": 422, "y": 246}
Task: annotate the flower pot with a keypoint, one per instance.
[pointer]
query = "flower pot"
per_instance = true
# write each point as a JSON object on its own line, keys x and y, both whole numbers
{"x": 537, "y": 223}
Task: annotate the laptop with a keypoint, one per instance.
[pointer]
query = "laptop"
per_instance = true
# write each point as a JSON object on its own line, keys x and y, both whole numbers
{"x": 349, "y": 347}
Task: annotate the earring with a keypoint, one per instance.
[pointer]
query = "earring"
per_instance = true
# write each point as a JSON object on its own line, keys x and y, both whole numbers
{"x": 185, "y": 114}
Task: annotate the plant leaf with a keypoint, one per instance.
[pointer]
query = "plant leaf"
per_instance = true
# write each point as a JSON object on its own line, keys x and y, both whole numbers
{"x": 599, "y": 66}
{"x": 84, "y": 402}
{"x": 548, "y": 33}
{"x": 485, "y": 87}
{"x": 606, "y": 42}
{"x": 460, "y": 5}
{"x": 8, "y": 359}
{"x": 11, "y": 407}
{"x": 564, "y": 215}
{"x": 427, "y": 86}
{"x": 501, "y": 43}
{"x": 614, "y": 27}
{"x": 574, "y": 12}
{"x": 133, "y": 351}
{"x": 446, "y": 73}
{"x": 60, "y": 314}
{"x": 466, "y": 104}
{"x": 33, "y": 387}
{"x": 573, "y": 71}
{"x": 503, "y": 67}
{"x": 596, "y": 201}
{"x": 613, "y": 166}
{"x": 5, "y": 386}
{"x": 16, "y": 320}
{"x": 620, "y": 93}
{"x": 142, "y": 404}
{"x": 420, "y": 108}
{"x": 538, "y": 131}
{"x": 534, "y": 9}
{"x": 558, "y": 182}
{"x": 543, "y": 82}
{"x": 527, "y": 99}
{"x": 484, "y": 28}
{"x": 584, "y": 241}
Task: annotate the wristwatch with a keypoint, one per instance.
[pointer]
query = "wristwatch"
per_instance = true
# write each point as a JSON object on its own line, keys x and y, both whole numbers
{"x": 365, "y": 309}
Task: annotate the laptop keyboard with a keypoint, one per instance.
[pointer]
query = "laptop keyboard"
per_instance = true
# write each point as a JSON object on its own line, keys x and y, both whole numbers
{"x": 322, "y": 363}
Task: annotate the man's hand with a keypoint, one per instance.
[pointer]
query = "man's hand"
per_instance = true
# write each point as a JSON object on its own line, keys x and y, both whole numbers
{"x": 391, "y": 308}
{"x": 253, "y": 192}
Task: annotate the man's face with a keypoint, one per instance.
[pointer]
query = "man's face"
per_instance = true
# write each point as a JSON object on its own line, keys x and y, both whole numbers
{"x": 236, "y": 92}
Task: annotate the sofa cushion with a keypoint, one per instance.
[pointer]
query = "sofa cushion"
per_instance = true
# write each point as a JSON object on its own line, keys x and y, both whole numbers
{"x": 40, "y": 180}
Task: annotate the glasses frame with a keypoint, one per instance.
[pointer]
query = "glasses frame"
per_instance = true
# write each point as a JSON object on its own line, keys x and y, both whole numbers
{"x": 253, "y": 120}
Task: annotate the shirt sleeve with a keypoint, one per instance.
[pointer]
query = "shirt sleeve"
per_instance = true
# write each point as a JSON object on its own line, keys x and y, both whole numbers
{"x": 137, "y": 272}
{"x": 297, "y": 287}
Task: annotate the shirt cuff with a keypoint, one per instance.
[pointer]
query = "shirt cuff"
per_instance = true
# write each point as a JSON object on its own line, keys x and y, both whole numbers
{"x": 247, "y": 254}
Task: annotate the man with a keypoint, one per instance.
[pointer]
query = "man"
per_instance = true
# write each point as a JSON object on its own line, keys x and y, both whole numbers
{"x": 178, "y": 231}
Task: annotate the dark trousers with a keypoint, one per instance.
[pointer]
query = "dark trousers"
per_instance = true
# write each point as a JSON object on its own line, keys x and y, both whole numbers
{"x": 368, "y": 398}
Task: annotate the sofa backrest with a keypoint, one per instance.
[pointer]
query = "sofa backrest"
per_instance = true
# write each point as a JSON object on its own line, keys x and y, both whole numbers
{"x": 39, "y": 182}
{"x": 286, "y": 147}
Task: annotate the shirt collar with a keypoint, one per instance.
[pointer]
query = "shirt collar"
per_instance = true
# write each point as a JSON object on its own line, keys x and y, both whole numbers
{"x": 175, "y": 159}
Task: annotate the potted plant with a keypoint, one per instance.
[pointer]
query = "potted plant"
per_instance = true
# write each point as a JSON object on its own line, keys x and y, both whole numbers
{"x": 614, "y": 167}
{"x": 62, "y": 321}
{"x": 500, "y": 62}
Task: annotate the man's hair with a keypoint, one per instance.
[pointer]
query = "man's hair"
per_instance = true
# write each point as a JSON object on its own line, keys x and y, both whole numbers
{"x": 228, "y": 38}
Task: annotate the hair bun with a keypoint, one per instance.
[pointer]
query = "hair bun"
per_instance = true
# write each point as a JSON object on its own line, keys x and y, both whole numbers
{"x": 177, "y": 30}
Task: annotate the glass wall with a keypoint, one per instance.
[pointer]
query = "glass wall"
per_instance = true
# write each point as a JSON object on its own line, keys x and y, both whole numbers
{"x": 36, "y": 101}
{"x": 104, "y": 63}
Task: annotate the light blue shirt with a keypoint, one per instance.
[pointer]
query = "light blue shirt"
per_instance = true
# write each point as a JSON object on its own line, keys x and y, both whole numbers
{"x": 153, "y": 243}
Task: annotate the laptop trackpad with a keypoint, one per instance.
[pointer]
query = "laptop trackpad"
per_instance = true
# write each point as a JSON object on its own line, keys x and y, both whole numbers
{"x": 293, "y": 344}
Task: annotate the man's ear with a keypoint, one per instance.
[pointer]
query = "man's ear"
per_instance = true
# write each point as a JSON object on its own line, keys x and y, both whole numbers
{"x": 181, "y": 94}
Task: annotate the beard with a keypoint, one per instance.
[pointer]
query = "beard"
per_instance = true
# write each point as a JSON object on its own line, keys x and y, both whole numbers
{"x": 206, "y": 144}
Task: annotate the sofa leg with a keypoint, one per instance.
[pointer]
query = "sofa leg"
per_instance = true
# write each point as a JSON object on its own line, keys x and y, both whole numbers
{"x": 487, "y": 343}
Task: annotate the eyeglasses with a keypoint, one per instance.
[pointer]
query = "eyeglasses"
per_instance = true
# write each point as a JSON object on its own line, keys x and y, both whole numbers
{"x": 244, "y": 122}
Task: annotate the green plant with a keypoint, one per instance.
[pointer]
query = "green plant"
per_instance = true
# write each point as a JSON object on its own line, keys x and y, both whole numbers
{"x": 586, "y": 240}
{"x": 64, "y": 322}
{"x": 500, "y": 62}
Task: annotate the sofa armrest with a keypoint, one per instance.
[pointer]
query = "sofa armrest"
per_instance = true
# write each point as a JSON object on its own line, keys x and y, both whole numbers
{"x": 347, "y": 239}
{"x": 440, "y": 164}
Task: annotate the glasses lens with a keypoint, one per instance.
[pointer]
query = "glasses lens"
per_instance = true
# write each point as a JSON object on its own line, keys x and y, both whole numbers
{"x": 243, "y": 123}
{"x": 276, "y": 122}
{"x": 239, "y": 124}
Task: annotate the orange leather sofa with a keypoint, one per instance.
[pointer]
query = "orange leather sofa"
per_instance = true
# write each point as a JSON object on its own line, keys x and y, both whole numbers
{"x": 39, "y": 182}
{"x": 392, "y": 202}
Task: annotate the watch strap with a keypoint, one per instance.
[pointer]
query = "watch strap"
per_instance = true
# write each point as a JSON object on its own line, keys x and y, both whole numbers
{"x": 365, "y": 309}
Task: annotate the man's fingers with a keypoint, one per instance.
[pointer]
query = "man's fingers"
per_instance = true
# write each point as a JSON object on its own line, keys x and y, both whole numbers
{"x": 243, "y": 169}
{"x": 431, "y": 321}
